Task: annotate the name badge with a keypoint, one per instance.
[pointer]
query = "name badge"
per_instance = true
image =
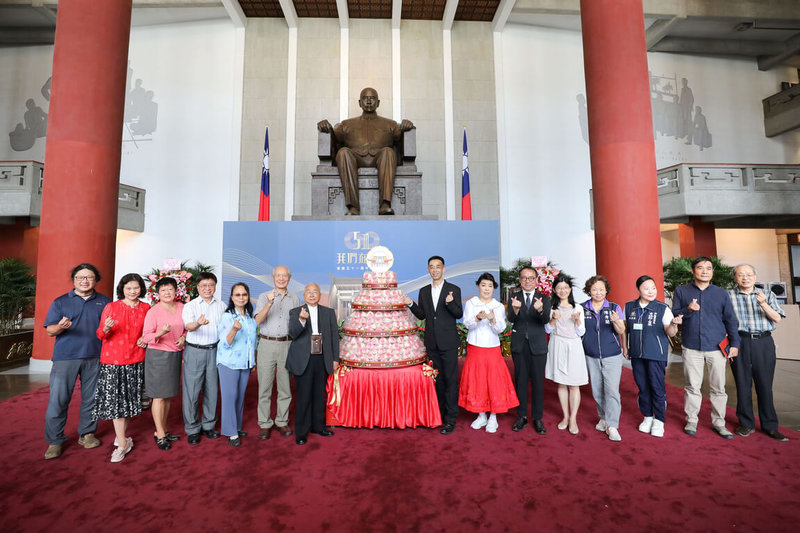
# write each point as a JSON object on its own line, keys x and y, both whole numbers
{"x": 637, "y": 326}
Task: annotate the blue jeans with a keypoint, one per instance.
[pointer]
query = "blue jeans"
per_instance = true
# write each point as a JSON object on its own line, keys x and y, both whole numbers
{"x": 63, "y": 376}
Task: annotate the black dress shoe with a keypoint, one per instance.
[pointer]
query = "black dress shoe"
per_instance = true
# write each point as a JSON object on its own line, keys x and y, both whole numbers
{"x": 242, "y": 433}
{"x": 194, "y": 438}
{"x": 520, "y": 423}
{"x": 324, "y": 433}
{"x": 448, "y": 428}
{"x": 211, "y": 433}
{"x": 234, "y": 442}
{"x": 301, "y": 440}
{"x": 538, "y": 425}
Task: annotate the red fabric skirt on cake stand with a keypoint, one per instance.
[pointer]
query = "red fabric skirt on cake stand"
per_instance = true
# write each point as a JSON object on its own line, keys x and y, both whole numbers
{"x": 383, "y": 397}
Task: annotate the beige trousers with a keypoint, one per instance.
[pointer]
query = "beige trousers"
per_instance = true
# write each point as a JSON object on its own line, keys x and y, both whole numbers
{"x": 693, "y": 362}
{"x": 271, "y": 367}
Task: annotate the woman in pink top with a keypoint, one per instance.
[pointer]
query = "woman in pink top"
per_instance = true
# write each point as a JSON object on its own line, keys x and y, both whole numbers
{"x": 165, "y": 335}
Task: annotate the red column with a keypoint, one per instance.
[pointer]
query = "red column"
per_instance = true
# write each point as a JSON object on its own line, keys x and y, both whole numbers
{"x": 697, "y": 238}
{"x": 84, "y": 136}
{"x": 627, "y": 231}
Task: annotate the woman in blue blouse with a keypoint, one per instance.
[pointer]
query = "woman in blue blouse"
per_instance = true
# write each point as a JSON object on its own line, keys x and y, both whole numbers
{"x": 235, "y": 359}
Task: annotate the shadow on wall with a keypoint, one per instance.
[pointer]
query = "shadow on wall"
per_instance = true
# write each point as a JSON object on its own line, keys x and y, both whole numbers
{"x": 674, "y": 114}
{"x": 24, "y": 137}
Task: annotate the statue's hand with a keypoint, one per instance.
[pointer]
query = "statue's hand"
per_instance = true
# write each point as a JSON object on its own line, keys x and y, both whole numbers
{"x": 324, "y": 126}
{"x": 406, "y": 125}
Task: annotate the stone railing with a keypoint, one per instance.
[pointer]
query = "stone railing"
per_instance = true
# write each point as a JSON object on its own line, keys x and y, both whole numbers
{"x": 21, "y": 185}
{"x": 765, "y": 194}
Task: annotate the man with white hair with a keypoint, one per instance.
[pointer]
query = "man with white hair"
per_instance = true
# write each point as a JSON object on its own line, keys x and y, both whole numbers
{"x": 272, "y": 313}
{"x": 758, "y": 313}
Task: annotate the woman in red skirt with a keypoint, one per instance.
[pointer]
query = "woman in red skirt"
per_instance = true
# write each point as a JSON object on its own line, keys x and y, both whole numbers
{"x": 486, "y": 387}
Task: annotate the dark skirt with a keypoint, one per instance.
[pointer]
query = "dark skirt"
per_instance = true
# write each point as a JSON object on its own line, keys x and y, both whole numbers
{"x": 162, "y": 373}
{"x": 119, "y": 389}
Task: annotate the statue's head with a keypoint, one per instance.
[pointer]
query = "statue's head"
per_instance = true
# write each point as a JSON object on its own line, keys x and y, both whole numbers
{"x": 368, "y": 101}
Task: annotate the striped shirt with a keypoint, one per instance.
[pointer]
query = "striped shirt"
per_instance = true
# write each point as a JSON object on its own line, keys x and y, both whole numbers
{"x": 752, "y": 318}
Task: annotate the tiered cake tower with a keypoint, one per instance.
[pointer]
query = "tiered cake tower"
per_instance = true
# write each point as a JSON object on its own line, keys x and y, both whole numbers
{"x": 381, "y": 332}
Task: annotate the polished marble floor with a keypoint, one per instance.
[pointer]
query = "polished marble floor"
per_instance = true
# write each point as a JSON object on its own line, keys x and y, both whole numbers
{"x": 786, "y": 388}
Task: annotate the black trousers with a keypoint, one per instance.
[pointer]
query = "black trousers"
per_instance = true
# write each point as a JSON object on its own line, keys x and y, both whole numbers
{"x": 310, "y": 397}
{"x": 446, "y": 362}
{"x": 529, "y": 368}
{"x": 755, "y": 364}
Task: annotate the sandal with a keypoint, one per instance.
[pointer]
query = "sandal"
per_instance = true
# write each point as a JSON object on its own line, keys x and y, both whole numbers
{"x": 169, "y": 436}
{"x": 163, "y": 443}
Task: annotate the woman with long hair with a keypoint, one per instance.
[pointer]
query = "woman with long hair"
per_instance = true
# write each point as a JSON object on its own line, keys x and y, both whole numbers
{"x": 566, "y": 362}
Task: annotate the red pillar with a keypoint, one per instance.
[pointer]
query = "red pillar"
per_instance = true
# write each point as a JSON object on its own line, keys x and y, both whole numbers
{"x": 697, "y": 238}
{"x": 627, "y": 230}
{"x": 84, "y": 136}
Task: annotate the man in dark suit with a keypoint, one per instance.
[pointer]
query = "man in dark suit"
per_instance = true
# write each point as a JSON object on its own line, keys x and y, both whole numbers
{"x": 313, "y": 355}
{"x": 529, "y": 312}
{"x": 440, "y": 307}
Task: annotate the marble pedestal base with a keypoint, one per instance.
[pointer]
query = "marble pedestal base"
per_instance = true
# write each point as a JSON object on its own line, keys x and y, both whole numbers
{"x": 327, "y": 195}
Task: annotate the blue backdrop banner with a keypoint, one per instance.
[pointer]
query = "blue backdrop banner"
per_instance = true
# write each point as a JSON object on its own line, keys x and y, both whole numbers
{"x": 333, "y": 254}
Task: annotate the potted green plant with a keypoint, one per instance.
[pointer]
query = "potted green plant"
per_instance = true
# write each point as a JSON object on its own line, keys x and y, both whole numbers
{"x": 17, "y": 291}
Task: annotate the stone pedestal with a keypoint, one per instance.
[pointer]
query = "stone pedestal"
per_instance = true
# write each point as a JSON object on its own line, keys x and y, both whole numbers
{"x": 327, "y": 195}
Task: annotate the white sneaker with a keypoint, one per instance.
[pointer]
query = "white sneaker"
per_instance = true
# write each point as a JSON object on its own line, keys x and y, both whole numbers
{"x": 491, "y": 426}
{"x": 658, "y": 428}
{"x": 646, "y": 425}
{"x": 128, "y": 439}
{"x": 613, "y": 434}
{"x": 601, "y": 426}
{"x": 119, "y": 453}
{"x": 480, "y": 422}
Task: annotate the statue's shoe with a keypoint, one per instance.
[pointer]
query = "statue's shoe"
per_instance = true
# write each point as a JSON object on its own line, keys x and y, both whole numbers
{"x": 386, "y": 210}
{"x": 352, "y": 211}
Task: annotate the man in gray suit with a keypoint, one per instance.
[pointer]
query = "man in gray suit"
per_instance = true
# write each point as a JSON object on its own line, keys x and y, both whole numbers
{"x": 313, "y": 355}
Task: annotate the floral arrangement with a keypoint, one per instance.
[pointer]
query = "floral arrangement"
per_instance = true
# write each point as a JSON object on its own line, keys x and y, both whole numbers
{"x": 183, "y": 274}
{"x": 546, "y": 276}
{"x": 509, "y": 277}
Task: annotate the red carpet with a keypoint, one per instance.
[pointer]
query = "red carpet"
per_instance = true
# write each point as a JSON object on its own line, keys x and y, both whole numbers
{"x": 403, "y": 480}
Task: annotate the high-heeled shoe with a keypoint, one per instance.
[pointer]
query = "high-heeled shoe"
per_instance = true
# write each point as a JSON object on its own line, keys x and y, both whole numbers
{"x": 562, "y": 426}
{"x": 163, "y": 443}
{"x": 574, "y": 432}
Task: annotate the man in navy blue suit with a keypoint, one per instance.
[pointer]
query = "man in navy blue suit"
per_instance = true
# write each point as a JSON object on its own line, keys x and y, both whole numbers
{"x": 440, "y": 307}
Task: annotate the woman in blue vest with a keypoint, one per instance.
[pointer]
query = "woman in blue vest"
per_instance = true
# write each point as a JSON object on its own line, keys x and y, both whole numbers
{"x": 601, "y": 344}
{"x": 648, "y": 322}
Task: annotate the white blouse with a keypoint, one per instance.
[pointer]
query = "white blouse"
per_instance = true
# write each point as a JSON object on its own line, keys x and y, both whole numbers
{"x": 482, "y": 333}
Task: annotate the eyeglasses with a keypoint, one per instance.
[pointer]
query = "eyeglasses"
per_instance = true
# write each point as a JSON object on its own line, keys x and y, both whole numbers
{"x": 527, "y": 278}
{"x": 312, "y": 292}
{"x": 240, "y": 294}
{"x": 84, "y": 278}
